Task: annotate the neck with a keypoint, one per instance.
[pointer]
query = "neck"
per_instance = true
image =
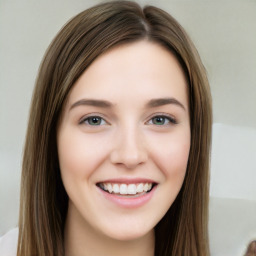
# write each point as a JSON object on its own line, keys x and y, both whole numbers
{"x": 82, "y": 239}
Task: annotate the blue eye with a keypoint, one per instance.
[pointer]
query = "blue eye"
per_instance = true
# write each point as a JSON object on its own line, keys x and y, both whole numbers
{"x": 94, "y": 121}
{"x": 162, "y": 120}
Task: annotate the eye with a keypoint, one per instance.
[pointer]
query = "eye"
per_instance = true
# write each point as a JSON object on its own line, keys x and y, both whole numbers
{"x": 93, "y": 121}
{"x": 162, "y": 120}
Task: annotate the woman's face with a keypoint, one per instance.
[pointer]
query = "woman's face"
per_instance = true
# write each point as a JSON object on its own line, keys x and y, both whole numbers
{"x": 124, "y": 140}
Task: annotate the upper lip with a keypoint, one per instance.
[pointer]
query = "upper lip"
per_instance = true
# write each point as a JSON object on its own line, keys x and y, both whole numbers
{"x": 127, "y": 180}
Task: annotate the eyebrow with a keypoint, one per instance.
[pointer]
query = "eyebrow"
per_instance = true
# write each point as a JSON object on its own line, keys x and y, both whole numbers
{"x": 92, "y": 102}
{"x": 164, "y": 101}
{"x": 106, "y": 104}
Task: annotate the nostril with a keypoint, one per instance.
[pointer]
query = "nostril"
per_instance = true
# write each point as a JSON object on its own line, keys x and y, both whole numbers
{"x": 130, "y": 159}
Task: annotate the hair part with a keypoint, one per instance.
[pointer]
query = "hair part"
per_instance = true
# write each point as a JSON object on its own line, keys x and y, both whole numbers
{"x": 43, "y": 204}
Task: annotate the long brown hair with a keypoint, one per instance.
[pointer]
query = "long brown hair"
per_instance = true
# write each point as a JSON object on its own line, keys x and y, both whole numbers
{"x": 43, "y": 205}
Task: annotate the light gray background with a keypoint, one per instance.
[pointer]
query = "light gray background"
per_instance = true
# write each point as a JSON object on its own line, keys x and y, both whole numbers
{"x": 225, "y": 35}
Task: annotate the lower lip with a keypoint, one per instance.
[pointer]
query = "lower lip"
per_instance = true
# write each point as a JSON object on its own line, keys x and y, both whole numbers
{"x": 126, "y": 202}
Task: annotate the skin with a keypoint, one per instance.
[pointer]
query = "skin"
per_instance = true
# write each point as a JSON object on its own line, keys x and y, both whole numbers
{"x": 127, "y": 142}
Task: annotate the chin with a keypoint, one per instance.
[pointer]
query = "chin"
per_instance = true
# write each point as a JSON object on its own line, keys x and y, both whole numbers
{"x": 133, "y": 233}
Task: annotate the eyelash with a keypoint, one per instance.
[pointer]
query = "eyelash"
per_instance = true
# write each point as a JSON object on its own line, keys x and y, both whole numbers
{"x": 171, "y": 120}
{"x": 86, "y": 120}
{"x": 166, "y": 117}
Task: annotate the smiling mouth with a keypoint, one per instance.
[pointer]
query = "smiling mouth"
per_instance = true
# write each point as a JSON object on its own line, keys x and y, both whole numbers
{"x": 128, "y": 190}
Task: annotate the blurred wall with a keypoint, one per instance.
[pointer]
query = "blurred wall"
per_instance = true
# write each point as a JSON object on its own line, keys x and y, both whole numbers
{"x": 224, "y": 32}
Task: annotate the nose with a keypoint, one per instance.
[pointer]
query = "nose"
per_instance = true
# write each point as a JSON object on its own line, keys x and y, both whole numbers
{"x": 129, "y": 149}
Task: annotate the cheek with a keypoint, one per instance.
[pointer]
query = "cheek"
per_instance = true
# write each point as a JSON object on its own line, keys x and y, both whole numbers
{"x": 171, "y": 155}
{"x": 70, "y": 156}
{"x": 79, "y": 155}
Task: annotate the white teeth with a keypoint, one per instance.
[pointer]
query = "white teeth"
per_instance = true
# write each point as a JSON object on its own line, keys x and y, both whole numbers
{"x": 109, "y": 188}
{"x": 115, "y": 188}
{"x": 124, "y": 189}
{"x": 145, "y": 188}
{"x": 131, "y": 189}
{"x": 139, "y": 188}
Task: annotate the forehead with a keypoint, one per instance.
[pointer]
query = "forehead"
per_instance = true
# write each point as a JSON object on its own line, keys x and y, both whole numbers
{"x": 140, "y": 68}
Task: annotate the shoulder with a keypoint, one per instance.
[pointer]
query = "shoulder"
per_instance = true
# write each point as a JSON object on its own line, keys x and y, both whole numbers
{"x": 8, "y": 243}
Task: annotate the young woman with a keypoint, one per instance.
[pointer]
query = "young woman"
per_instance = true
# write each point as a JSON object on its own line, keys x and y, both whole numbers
{"x": 116, "y": 158}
